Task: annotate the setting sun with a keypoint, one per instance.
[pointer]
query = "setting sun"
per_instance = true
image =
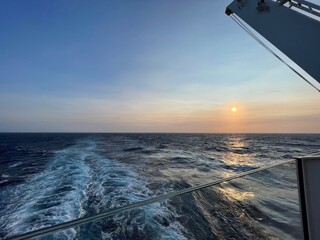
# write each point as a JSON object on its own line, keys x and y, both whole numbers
{"x": 234, "y": 109}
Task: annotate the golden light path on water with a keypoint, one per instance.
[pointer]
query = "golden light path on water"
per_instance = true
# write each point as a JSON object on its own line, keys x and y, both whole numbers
{"x": 236, "y": 156}
{"x": 234, "y": 195}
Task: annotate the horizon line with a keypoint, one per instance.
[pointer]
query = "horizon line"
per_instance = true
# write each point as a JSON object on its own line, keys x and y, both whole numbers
{"x": 75, "y": 132}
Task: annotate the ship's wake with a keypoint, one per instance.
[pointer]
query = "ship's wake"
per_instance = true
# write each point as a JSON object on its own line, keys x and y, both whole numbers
{"x": 79, "y": 182}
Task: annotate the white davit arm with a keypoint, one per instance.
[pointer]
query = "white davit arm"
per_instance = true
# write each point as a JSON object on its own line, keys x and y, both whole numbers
{"x": 295, "y": 34}
{"x": 303, "y": 5}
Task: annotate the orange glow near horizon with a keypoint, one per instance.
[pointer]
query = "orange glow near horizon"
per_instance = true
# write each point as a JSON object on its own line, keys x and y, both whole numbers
{"x": 188, "y": 116}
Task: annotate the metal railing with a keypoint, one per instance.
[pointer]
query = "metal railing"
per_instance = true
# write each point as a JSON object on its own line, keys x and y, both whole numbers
{"x": 113, "y": 211}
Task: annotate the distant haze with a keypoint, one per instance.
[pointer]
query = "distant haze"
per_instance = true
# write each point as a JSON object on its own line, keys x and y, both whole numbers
{"x": 142, "y": 66}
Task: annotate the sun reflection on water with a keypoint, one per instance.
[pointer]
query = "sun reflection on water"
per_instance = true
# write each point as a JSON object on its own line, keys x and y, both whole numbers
{"x": 234, "y": 195}
{"x": 238, "y": 152}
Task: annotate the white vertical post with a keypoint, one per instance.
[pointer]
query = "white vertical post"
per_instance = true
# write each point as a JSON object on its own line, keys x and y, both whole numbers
{"x": 308, "y": 171}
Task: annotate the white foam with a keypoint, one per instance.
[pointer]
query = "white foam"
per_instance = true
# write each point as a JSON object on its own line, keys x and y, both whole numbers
{"x": 39, "y": 203}
{"x": 116, "y": 184}
{"x": 65, "y": 189}
{"x": 15, "y": 164}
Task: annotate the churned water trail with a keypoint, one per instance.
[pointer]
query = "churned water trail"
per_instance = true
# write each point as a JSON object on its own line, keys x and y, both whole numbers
{"x": 55, "y": 195}
{"x": 76, "y": 182}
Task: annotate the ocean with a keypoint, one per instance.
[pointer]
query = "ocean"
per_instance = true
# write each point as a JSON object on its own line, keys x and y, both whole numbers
{"x": 51, "y": 178}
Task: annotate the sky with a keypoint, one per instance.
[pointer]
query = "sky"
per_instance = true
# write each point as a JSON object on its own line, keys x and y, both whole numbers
{"x": 142, "y": 66}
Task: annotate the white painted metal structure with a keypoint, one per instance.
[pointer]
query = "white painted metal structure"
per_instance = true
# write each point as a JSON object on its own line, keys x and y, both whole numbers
{"x": 297, "y": 35}
{"x": 293, "y": 33}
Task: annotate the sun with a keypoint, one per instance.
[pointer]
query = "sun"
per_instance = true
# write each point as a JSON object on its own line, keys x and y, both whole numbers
{"x": 234, "y": 109}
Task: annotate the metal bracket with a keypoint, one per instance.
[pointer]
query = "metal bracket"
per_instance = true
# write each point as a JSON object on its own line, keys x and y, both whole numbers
{"x": 262, "y": 6}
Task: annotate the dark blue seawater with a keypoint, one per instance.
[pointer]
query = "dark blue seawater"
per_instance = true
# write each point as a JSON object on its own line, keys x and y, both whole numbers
{"x": 46, "y": 179}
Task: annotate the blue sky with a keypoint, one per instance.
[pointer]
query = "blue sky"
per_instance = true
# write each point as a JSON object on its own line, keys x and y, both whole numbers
{"x": 142, "y": 66}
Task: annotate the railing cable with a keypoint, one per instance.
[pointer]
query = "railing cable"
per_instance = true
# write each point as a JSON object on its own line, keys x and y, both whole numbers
{"x": 132, "y": 206}
{"x": 245, "y": 28}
